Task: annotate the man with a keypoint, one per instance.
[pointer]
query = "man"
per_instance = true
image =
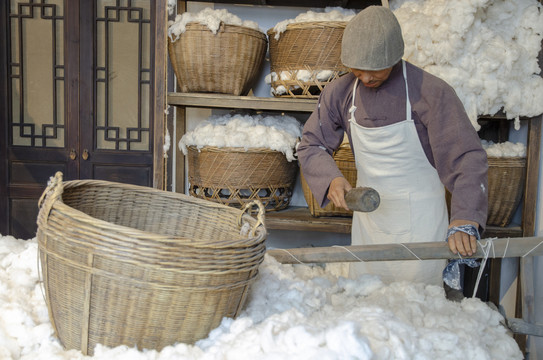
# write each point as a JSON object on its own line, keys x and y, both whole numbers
{"x": 410, "y": 136}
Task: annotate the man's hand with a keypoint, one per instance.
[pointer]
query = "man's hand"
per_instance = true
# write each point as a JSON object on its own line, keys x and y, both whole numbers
{"x": 460, "y": 242}
{"x": 337, "y": 190}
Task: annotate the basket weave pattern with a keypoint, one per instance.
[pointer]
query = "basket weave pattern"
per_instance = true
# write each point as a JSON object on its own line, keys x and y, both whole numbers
{"x": 344, "y": 159}
{"x": 227, "y": 62}
{"x": 506, "y": 178}
{"x": 125, "y": 264}
{"x": 235, "y": 176}
{"x": 311, "y": 46}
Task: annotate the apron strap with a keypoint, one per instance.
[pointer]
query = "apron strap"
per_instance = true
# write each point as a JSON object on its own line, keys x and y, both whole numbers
{"x": 352, "y": 109}
{"x": 407, "y": 101}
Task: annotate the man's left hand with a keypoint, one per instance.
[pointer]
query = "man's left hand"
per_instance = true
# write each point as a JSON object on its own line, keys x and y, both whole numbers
{"x": 460, "y": 242}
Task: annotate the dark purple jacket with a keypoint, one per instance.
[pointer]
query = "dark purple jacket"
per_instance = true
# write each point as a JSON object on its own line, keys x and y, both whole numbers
{"x": 447, "y": 136}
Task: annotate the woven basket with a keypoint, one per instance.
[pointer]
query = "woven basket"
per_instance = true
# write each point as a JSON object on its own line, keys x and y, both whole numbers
{"x": 227, "y": 62}
{"x": 506, "y": 177}
{"x": 311, "y": 46}
{"x": 125, "y": 264}
{"x": 235, "y": 176}
{"x": 344, "y": 159}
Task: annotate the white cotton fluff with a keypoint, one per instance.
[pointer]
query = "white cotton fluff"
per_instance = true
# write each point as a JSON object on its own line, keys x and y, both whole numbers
{"x": 487, "y": 50}
{"x": 304, "y": 76}
{"x": 171, "y": 6}
{"x": 167, "y": 143}
{"x": 329, "y": 14}
{"x": 292, "y": 312}
{"x": 209, "y": 17}
{"x": 504, "y": 149}
{"x": 279, "y": 133}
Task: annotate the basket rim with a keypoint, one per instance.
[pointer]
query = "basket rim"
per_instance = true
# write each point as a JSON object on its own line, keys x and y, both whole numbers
{"x": 312, "y": 24}
{"x": 507, "y": 157}
{"x": 223, "y": 27}
{"x": 59, "y": 205}
{"x": 511, "y": 161}
{"x": 210, "y": 148}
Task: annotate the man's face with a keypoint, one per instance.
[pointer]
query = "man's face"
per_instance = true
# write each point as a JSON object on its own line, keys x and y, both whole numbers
{"x": 372, "y": 79}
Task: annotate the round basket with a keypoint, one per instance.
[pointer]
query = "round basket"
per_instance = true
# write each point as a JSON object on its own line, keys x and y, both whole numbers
{"x": 309, "y": 46}
{"x": 344, "y": 159}
{"x": 235, "y": 176}
{"x": 227, "y": 62}
{"x": 506, "y": 177}
{"x": 131, "y": 265}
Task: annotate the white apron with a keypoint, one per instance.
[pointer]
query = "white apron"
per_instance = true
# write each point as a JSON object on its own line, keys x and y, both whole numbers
{"x": 391, "y": 160}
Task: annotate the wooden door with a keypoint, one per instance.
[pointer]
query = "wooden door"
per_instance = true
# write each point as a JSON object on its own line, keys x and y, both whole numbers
{"x": 79, "y": 95}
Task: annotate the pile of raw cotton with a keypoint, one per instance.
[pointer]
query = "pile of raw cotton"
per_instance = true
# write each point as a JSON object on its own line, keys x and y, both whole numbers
{"x": 279, "y": 133}
{"x": 293, "y": 312}
{"x": 504, "y": 149}
{"x": 208, "y": 17}
{"x": 487, "y": 50}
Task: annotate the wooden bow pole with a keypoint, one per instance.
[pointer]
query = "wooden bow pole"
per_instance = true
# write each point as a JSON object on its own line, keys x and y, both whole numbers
{"x": 497, "y": 248}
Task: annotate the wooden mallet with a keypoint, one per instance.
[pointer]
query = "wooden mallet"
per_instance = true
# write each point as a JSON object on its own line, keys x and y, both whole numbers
{"x": 363, "y": 199}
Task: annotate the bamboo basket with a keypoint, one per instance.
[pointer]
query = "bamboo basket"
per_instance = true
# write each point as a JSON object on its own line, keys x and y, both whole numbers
{"x": 235, "y": 176}
{"x": 344, "y": 159}
{"x": 131, "y": 265}
{"x": 310, "y": 46}
{"x": 227, "y": 62}
{"x": 506, "y": 178}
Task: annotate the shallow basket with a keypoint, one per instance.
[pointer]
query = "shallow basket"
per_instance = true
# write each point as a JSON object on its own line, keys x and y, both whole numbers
{"x": 236, "y": 176}
{"x": 506, "y": 178}
{"x": 126, "y": 264}
{"x": 344, "y": 159}
{"x": 227, "y": 62}
{"x": 308, "y": 46}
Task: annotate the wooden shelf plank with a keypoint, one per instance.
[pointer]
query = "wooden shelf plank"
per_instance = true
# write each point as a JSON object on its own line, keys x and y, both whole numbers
{"x": 502, "y": 232}
{"x": 299, "y": 219}
{"x": 206, "y": 100}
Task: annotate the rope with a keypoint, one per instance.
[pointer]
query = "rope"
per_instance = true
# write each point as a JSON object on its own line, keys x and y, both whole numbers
{"x": 489, "y": 244}
{"x": 294, "y": 257}
{"x": 349, "y": 251}
{"x": 408, "y": 249}
{"x": 506, "y": 247}
{"x": 532, "y": 249}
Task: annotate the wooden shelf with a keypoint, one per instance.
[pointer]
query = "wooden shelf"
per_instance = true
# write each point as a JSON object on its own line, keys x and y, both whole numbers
{"x": 205, "y": 100}
{"x": 299, "y": 219}
{"x": 503, "y": 232}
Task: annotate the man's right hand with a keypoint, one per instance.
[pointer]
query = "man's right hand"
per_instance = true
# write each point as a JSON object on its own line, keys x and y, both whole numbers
{"x": 337, "y": 190}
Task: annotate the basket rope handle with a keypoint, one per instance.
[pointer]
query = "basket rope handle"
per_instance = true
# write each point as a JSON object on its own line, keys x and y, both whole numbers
{"x": 51, "y": 193}
{"x": 259, "y": 217}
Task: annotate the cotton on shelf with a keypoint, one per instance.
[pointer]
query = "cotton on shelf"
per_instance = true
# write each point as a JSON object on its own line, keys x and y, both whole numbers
{"x": 279, "y": 133}
{"x": 487, "y": 50}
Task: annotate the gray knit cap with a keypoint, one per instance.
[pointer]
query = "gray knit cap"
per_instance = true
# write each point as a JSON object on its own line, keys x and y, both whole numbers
{"x": 372, "y": 40}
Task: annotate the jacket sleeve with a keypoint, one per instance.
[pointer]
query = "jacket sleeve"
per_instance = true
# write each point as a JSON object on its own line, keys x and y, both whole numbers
{"x": 460, "y": 160}
{"x": 322, "y": 134}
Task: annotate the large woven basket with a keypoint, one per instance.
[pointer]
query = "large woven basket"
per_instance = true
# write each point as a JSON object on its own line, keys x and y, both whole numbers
{"x": 125, "y": 264}
{"x": 235, "y": 176}
{"x": 227, "y": 62}
{"x": 506, "y": 177}
{"x": 310, "y": 46}
{"x": 344, "y": 159}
